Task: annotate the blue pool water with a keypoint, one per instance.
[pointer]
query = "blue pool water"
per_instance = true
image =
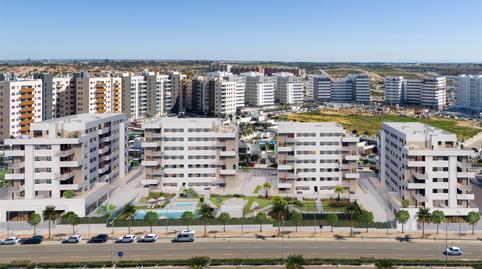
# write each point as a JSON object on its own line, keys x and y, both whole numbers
{"x": 184, "y": 204}
{"x": 163, "y": 213}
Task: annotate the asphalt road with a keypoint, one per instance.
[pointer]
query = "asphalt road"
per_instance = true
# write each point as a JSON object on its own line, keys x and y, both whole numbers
{"x": 236, "y": 248}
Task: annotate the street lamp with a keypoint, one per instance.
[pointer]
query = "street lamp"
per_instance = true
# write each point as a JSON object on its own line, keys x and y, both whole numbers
{"x": 8, "y": 227}
{"x": 282, "y": 238}
{"x": 460, "y": 224}
{"x": 446, "y": 240}
{"x": 386, "y": 210}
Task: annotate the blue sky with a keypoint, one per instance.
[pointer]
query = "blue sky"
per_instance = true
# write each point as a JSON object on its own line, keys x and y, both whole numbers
{"x": 302, "y": 30}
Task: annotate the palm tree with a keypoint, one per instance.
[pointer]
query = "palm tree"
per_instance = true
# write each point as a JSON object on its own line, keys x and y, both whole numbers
{"x": 402, "y": 216}
{"x": 384, "y": 264}
{"x": 129, "y": 213}
{"x": 198, "y": 262}
{"x": 72, "y": 219}
{"x": 267, "y": 186}
{"x": 331, "y": 219}
{"x": 187, "y": 217}
{"x": 296, "y": 218}
{"x": 353, "y": 210}
{"x": 261, "y": 218}
{"x": 366, "y": 217}
{"x": 423, "y": 216}
{"x": 294, "y": 261}
{"x": 339, "y": 190}
{"x": 279, "y": 210}
{"x": 437, "y": 217}
{"x": 224, "y": 218}
{"x": 106, "y": 211}
{"x": 473, "y": 218}
{"x": 206, "y": 213}
{"x": 151, "y": 218}
{"x": 49, "y": 214}
{"x": 34, "y": 220}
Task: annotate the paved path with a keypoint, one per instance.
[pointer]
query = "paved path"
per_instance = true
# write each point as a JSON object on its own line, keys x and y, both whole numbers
{"x": 239, "y": 248}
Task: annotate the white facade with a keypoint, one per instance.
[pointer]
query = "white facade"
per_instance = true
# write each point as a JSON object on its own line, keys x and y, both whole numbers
{"x": 412, "y": 91}
{"x": 222, "y": 93}
{"x": 468, "y": 92}
{"x": 393, "y": 90}
{"x": 199, "y": 153}
{"x": 434, "y": 93}
{"x": 240, "y": 91}
{"x": 360, "y": 84}
{"x": 260, "y": 90}
{"x": 314, "y": 158}
{"x": 63, "y": 96}
{"x": 98, "y": 94}
{"x": 81, "y": 153}
{"x": 319, "y": 88}
{"x": 288, "y": 88}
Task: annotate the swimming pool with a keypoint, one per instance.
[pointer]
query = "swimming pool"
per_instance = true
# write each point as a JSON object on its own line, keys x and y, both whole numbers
{"x": 163, "y": 213}
{"x": 184, "y": 204}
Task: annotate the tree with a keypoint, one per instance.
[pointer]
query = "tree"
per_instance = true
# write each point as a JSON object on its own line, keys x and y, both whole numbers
{"x": 187, "y": 217}
{"x": 34, "y": 220}
{"x": 331, "y": 219}
{"x": 106, "y": 211}
{"x": 267, "y": 186}
{"x": 384, "y": 264}
{"x": 437, "y": 217}
{"x": 49, "y": 214}
{"x": 198, "y": 262}
{"x": 405, "y": 203}
{"x": 339, "y": 190}
{"x": 294, "y": 261}
{"x": 423, "y": 216}
{"x": 206, "y": 213}
{"x": 68, "y": 194}
{"x": 151, "y": 218}
{"x": 402, "y": 216}
{"x": 473, "y": 218}
{"x": 72, "y": 219}
{"x": 224, "y": 218}
{"x": 296, "y": 218}
{"x": 353, "y": 210}
{"x": 279, "y": 210}
{"x": 261, "y": 218}
{"x": 366, "y": 217}
{"x": 129, "y": 213}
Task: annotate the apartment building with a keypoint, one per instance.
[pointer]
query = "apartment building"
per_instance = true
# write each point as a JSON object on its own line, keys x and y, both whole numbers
{"x": 425, "y": 166}
{"x": 314, "y": 158}
{"x": 434, "y": 93}
{"x": 199, "y": 95}
{"x": 98, "y": 94}
{"x": 288, "y": 88}
{"x": 20, "y": 106}
{"x": 177, "y": 98}
{"x": 240, "y": 91}
{"x": 393, "y": 90}
{"x": 353, "y": 88}
{"x": 468, "y": 93}
{"x": 260, "y": 90}
{"x": 221, "y": 93}
{"x": 319, "y": 88}
{"x": 82, "y": 153}
{"x": 198, "y": 153}
{"x": 412, "y": 92}
{"x": 427, "y": 92}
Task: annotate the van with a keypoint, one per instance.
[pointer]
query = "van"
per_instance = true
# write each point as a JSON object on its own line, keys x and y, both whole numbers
{"x": 184, "y": 236}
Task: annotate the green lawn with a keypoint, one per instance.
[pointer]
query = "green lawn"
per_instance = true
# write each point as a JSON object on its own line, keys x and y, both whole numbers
{"x": 357, "y": 122}
{"x": 257, "y": 189}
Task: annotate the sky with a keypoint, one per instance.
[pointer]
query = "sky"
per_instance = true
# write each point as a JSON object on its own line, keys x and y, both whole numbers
{"x": 244, "y": 30}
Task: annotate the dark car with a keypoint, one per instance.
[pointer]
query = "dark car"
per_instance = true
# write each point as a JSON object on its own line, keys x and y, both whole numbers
{"x": 100, "y": 238}
{"x": 35, "y": 240}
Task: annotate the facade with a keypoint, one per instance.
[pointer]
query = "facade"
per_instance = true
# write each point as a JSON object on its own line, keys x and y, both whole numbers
{"x": 221, "y": 94}
{"x": 63, "y": 97}
{"x": 198, "y": 153}
{"x": 412, "y": 92}
{"x": 468, "y": 93}
{"x": 393, "y": 90}
{"x": 21, "y": 105}
{"x": 428, "y": 92}
{"x": 288, "y": 88}
{"x": 240, "y": 91}
{"x": 81, "y": 153}
{"x": 98, "y": 94}
{"x": 434, "y": 93}
{"x": 199, "y": 91}
{"x": 425, "y": 166}
{"x": 260, "y": 90}
{"x": 314, "y": 158}
{"x": 319, "y": 88}
{"x": 360, "y": 86}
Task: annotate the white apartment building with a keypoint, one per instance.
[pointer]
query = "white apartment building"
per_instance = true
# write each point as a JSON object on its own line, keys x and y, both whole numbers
{"x": 393, "y": 90}
{"x": 240, "y": 91}
{"x": 63, "y": 96}
{"x": 319, "y": 88}
{"x": 412, "y": 93}
{"x": 20, "y": 106}
{"x": 98, "y": 94}
{"x": 260, "y": 89}
{"x": 468, "y": 92}
{"x": 198, "y": 153}
{"x": 425, "y": 166}
{"x": 288, "y": 88}
{"x": 434, "y": 93}
{"x": 222, "y": 93}
{"x": 428, "y": 92}
{"x": 82, "y": 153}
{"x": 314, "y": 158}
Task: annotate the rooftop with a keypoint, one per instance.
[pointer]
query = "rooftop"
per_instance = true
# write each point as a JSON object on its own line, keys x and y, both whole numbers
{"x": 416, "y": 128}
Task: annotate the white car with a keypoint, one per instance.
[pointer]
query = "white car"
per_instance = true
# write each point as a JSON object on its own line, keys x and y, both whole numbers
{"x": 12, "y": 240}
{"x": 73, "y": 239}
{"x": 128, "y": 238}
{"x": 148, "y": 238}
{"x": 453, "y": 251}
{"x": 185, "y": 236}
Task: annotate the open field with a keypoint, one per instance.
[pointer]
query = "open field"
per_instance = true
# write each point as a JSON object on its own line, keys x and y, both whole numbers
{"x": 370, "y": 123}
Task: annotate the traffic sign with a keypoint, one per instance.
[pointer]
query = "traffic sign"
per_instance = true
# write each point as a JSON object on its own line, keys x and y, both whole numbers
{"x": 120, "y": 253}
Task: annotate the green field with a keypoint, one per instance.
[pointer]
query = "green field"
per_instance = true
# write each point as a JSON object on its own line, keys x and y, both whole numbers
{"x": 371, "y": 123}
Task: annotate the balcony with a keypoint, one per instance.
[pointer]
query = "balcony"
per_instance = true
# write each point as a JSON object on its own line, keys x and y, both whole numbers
{"x": 99, "y": 95}
{"x": 100, "y": 85}
{"x": 71, "y": 163}
{"x": 14, "y": 176}
{"x": 149, "y": 181}
{"x": 65, "y": 176}
{"x": 104, "y": 139}
{"x": 151, "y": 144}
{"x": 352, "y": 175}
{"x": 27, "y": 96}
{"x": 465, "y": 174}
{"x": 291, "y": 176}
{"x": 100, "y": 111}
{"x": 420, "y": 198}
{"x": 25, "y": 122}
{"x": 420, "y": 176}
{"x": 352, "y": 157}
{"x": 104, "y": 169}
{"x": 26, "y": 90}
{"x": 285, "y": 167}
{"x": 64, "y": 153}
{"x": 26, "y": 109}
{"x": 227, "y": 153}
{"x": 103, "y": 150}
{"x": 27, "y": 103}
{"x": 285, "y": 149}
{"x": 227, "y": 172}
{"x": 416, "y": 185}
{"x": 101, "y": 105}
{"x": 150, "y": 163}
{"x": 466, "y": 196}
{"x": 14, "y": 153}
{"x": 416, "y": 164}
{"x": 25, "y": 129}
{"x": 27, "y": 116}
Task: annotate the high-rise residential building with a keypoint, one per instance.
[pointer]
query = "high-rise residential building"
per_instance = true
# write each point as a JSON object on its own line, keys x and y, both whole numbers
{"x": 221, "y": 93}
{"x": 187, "y": 94}
{"x": 425, "y": 166}
{"x": 434, "y": 93}
{"x": 240, "y": 91}
{"x": 314, "y": 158}
{"x": 288, "y": 88}
{"x": 20, "y": 106}
{"x": 259, "y": 89}
{"x": 468, "y": 93}
{"x": 199, "y": 95}
{"x": 393, "y": 90}
{"x": 47, "y": 95}
{"x": 177, "y": 80}
{"x": 98, "y": 94}
{"x": 63, "y": 97}
{"x": 82, "y": 154}
{"x": 198, "y": 153}
{"x": 319, "y": 88}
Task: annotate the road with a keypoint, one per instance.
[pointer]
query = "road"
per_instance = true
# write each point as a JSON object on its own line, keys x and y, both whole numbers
{"x": 236, "y": 248}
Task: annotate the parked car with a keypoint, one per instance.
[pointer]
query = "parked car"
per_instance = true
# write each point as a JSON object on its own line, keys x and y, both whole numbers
{"x": 34, "y": 240}
{"x": 453, "y": 251}
{"x": 12, "y": 240}
{"x": 185, "y": 236}
{"x": 128, "y": 238}
{"x": 100, "y": 238}
{"x": 73, "y": 239}
{"x": 148, "y": 238}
